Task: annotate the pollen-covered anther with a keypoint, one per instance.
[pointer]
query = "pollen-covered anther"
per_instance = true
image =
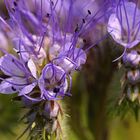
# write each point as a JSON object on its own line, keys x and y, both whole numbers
{"x": 89, "y": 12}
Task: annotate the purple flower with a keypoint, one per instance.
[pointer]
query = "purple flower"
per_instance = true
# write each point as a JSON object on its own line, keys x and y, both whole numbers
{"x": 22, "y": 14}
{"x": 45, "y": 35}
{"x": 53, "y": 82}
{"x": 69, "y": 57}
{"x": 124, "y": 24}
{"x": 29, "y": 50}
{"x": 21, "y": 77}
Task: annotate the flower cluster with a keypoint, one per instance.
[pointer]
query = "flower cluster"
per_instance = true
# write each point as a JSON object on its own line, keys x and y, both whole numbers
{"x": 46, "y": 46}
{"x": 124, "y": 25}
{"x": 43, "y": 44}
{"x": 44, "y": 57}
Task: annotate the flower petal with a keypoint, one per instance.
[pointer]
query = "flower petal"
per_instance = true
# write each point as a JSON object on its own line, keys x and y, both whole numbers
{"x": 114, "y": 28}
{"x": 6, "y": 88}
{"x": 32, "y": 68}
{"x": 27, "y": 89}
{"x": 11, "y": 66}
{"x": 11, "y": 85}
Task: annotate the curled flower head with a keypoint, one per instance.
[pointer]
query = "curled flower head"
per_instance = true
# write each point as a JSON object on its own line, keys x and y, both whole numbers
{"x": 124, "y": 24}
{"x": 53, "y": 82}
{"x": 49, "y": 43}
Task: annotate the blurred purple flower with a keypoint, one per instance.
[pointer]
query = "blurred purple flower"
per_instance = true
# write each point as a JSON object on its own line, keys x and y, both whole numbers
{"x": 131, "y": 59}
{"x": 124, "y": 24}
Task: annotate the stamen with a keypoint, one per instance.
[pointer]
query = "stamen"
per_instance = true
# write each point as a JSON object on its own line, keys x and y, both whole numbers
{"x": 15, "y": 3}
{"x": 89, "y": 12}
{"x": 56, "y": 90}
{"x": 14, "y": 89}
{"x": 83, "y": 20}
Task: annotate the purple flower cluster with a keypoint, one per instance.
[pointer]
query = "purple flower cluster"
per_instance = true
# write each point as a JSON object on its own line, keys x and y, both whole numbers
{"x": 43, "y": 42}
{"x": 124, "y": 23}
{"x": 45, "y": 46}
{"x": 124, "y": 27}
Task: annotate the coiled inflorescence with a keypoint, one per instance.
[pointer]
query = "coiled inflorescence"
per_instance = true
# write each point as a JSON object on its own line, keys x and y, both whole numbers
{"x": 124, "y": 25}
{"x": 46, "y": 46}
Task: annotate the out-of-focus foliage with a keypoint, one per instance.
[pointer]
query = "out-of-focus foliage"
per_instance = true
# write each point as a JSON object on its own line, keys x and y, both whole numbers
{"x": 10, "y": 112}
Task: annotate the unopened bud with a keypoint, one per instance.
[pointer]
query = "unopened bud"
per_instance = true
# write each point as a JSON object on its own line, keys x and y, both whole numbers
{"x": 133, "y": 93}
{"x": 133, "y": 76}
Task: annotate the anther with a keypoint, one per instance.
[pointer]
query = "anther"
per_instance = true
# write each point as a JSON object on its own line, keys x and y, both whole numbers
{"x": 47, "y": 15}
{"x": 13, "y": 9}
{"x": 15, "y": 4}
{"x": 77, "y": 28}
{"x": 83, "y": 20}
{"x": 89, "y": 12}
{"x": 14, "y": 89}
{"x": 84, "y": 40}
{"x": 13, "y": 60}
{"x": 52, "y": 2}
{"x": 56, "y": 90}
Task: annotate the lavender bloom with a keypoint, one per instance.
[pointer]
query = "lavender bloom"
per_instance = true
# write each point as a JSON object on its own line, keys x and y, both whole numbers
{"x": 124, "y": 24}
{"x": 53, "y": 82}
{"x": 22, "y": 77}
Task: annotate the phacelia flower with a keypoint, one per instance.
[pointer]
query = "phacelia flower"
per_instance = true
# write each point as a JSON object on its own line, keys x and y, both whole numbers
{"x": 21, "y": 77}
{"x": 48, "y": 43}
{"x": 124, "y": 24}
{"x": 53, "y": 82}
{"x": 68, "y": 56}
